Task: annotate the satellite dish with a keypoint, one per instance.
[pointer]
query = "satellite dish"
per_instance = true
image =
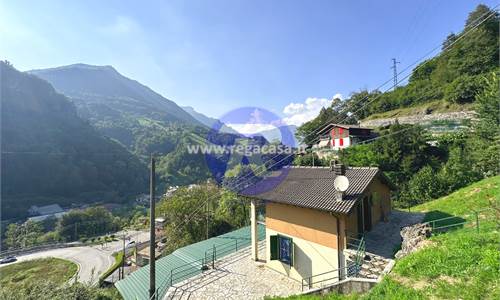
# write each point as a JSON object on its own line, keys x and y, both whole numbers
{"x": 341, "y": 183}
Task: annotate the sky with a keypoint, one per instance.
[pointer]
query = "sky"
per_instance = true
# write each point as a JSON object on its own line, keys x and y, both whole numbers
{"x": 290, "y": 57}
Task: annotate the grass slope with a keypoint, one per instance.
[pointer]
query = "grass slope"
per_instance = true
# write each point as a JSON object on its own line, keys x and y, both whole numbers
{"x": 459, "y": 264}
{"x": 55, "y": 270}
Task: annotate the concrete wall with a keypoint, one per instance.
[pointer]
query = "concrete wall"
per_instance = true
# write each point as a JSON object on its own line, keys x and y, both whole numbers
{"x": 314, "y": 236}
{"x": 345, "y": 287}
{"x": 309, "y": 224}
{"x": 309, "y": 259}
{"x": 381, "y": 199}
{"x": 381, "y": 208}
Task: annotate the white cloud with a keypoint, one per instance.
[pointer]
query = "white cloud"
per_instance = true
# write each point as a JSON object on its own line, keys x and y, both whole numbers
{"x": 121, "y": 25}
{"x": 251, "y": 128}
{"x": 255, "y": 124}
{"x": 299, "y": 113}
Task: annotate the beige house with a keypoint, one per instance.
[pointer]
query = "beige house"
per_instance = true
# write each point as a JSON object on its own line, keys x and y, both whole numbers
{"x": 308, "y": 222}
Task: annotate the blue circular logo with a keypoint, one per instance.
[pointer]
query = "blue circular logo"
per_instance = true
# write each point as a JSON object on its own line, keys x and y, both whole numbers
{"x": 249, "y": 150}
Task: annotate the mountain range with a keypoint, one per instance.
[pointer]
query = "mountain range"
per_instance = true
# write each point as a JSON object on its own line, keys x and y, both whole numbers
{"x": 81, "y": 133}
{"x": 49, "y": 154}
{"x": 209, "y": 121}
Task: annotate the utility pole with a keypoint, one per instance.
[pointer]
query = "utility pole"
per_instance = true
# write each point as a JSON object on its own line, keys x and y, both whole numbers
{"x": 395, "y": 71}
{"x": 207, "y": 218}
{"x": 152, "y": 257}
{"x": 124, "y": 256}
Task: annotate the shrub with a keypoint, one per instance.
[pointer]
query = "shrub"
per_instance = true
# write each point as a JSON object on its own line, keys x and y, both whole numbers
{"x": 463, "y": 89}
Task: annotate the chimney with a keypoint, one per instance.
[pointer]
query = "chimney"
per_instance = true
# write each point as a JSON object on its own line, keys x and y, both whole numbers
{"x": 337, "y": 168}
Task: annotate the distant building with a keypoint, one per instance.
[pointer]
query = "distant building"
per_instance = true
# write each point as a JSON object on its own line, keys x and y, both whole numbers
{"x": 160, "y": 228}
{"x": 142, "y": 257}
{"x": 340, "y": 136}
{"x": 170, "y": 191}
{"x": 40, "y": 213}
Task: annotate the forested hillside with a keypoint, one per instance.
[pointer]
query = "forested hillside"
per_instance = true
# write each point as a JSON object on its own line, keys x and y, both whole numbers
{"x": 139, "y": 118}
{"x": 51, "y": 155}
{"x": 454, "y": 76}
{"x": 422, "y": 165}
{"x": 449, "y": 80}
{"x": 121, "y": 108}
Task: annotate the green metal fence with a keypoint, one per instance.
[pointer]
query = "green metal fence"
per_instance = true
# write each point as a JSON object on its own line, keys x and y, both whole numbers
{"x": 185, "y": 263}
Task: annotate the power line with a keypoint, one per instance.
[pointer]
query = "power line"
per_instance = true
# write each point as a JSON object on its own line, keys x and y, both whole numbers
{"x": 315, "y": 131}
{"x": 466, "y": 32}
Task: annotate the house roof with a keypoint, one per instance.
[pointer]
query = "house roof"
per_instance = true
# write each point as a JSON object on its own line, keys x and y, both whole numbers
{"x": 48, "y": 209}
{"x": 185, "y": 262}
{"x": 312, "y": 187}
{"x": 346, "y": 126}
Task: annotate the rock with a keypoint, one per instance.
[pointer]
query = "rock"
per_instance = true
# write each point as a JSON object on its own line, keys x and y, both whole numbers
{"x": 414, "y": 238}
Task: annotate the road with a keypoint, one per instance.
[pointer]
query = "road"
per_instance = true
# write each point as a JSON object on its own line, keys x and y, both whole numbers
{"x": 91, "y": 260}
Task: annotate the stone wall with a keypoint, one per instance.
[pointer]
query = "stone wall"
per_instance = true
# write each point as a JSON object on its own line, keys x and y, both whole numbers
{"x": 414, "y": 238}
{"x": 347, "y": 286}
{"x": 420, "y": 118}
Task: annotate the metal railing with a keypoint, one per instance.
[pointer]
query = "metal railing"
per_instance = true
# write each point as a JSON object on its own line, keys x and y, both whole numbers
{"x": 321, "y": 278}
{"x": 197, "y": 267}
{"x": 351, "y": 270}
{"x": 353, "y": 240}
{"x": 441, "y": 225}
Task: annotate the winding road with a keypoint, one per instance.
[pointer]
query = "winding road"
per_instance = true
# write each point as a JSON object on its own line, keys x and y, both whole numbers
{"x": 91, "y": 260}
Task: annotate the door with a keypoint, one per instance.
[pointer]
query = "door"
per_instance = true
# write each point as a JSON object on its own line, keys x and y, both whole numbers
{"x": 367, "y": 213}
{"x": 359, "y": 212}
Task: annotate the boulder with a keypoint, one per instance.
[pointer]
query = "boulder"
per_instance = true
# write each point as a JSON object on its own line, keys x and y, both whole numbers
{"x": 414, "y": 238}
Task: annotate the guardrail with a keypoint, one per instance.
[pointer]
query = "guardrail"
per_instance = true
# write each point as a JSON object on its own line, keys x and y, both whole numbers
{"x": 18, "y": 251}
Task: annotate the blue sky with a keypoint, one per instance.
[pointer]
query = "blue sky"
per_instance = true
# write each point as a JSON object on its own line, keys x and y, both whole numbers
{"x": 290, "y": 57}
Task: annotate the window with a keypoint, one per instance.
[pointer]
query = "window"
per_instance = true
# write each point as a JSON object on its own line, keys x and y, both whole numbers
{"x": 341, "y": 142}
{"x": 341, "y": 130}
{"x": 282, "y": 249}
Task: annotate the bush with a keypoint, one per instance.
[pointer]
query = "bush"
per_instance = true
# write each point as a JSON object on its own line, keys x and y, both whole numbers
{"x": 463, "y": 89}
{"x": 425, "y": 185}
{"x": 118, "y": 262}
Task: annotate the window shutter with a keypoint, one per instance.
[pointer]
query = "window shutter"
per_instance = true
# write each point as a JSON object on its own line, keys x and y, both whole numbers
{"x": 274, "y": 247}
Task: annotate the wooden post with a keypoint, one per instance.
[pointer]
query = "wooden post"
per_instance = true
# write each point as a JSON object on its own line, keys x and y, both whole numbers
{"x": 253, "y": 226}
{"x": 152, "y": 233}
{"x": 477, "y": 221}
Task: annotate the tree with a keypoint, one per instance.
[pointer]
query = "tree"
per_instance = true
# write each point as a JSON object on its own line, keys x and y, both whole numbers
{"x": 189, "y": 208}
{"x": 463, "y": 89}
{"x": 484, "y": 143}
{"x": 86, "y": 223}
{"x": 477, "y": 15}
{"x": 450, "y": 39}
{"x": 24, "y": 235}
{"x": 422, "y": 187}
{"x": 310, "y": 159}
